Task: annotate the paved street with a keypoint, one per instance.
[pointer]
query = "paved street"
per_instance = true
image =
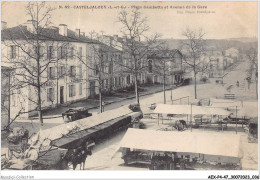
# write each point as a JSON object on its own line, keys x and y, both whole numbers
{"x": 102, "y": 154}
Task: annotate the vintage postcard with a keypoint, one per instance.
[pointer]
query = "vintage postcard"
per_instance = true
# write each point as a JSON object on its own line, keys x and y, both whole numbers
{"x": 129, "y": 86}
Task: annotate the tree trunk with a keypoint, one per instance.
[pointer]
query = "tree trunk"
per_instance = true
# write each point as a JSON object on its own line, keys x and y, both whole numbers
{"x": 164, "y": 95}
{"x": 195, "y": 85}
{"x": 100, "y": 99}
{"x": 136, "y": 90}
{"x": 39, "y": 105}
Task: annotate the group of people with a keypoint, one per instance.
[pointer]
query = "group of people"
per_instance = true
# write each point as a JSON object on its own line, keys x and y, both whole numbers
{"x": 167, "y": 161}
{"x": 180, "y": 125}
{"x": 21, "y": 152}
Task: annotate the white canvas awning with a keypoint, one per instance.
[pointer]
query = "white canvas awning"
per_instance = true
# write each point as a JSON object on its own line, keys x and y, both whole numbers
{"x": 85, "y": 123}
{"x": 190, "y": 109}
{"x": 225, "y": 103}
{"x": 249, "y": 109}
{"x": 227, "y": 145}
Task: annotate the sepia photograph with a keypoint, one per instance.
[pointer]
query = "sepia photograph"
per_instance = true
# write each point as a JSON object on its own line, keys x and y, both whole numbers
{"x": 139, "y": 86}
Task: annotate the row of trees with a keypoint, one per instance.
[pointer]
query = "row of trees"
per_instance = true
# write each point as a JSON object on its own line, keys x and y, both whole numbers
{"x": 31, "y": 69}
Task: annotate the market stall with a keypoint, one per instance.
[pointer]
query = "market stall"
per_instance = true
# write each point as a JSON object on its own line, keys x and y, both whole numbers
{"x": 197, "y": 145}
{"x": 192, "y": 110}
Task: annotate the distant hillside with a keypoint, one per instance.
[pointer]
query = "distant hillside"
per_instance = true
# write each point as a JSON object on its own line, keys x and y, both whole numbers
{"x": 244, "y": 39}
{"x": 239, "y": 43}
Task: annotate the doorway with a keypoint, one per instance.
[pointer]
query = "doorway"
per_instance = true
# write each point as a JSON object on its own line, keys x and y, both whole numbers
{"x": 92, "y": 89}
{"x": 61, "y": 94}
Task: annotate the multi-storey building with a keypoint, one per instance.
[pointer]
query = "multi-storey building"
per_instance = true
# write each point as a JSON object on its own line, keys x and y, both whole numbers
{"x": 5, "y": 96}
{"x": 68, "y": 63}
{"x": 165, "y": 64}
{"x": 120, "y": 43}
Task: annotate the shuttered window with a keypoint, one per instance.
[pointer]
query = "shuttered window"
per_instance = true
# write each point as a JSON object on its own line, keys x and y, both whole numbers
{"x": 72, "y": 71}
{"x": 50, "y": 94}
{"x": 13, "y": 52}
{"x": 51, "y": 72}
{"x": 80, "y": 88}
{"x": 72, "y": 91}
{"x": 80, "y": 71}
{"x": 50, "y": 53}
{"x": 61, "y": 71}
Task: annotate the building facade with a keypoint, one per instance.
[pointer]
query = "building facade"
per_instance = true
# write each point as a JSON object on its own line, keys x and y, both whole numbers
{"x": 67, "y": 61}
{"x": 5, "y": 96}
{"x": 165, "y": 64}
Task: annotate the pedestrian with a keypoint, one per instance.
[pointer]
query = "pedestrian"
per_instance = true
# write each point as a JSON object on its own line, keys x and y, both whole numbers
{"x": 237, "y": 83}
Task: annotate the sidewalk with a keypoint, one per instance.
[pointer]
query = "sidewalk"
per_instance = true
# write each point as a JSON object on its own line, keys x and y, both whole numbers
{"x": 94, "y": 103}
{"x": 33, "y": 124}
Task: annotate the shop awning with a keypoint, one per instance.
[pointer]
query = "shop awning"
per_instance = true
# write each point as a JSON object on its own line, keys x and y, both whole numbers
{"x": 190, "y": 109}
{"x": 225, "y": 103}
{"x": 85, "y": 123}
{"x": 227, "y": 145}
{"x": 249, "y": 109}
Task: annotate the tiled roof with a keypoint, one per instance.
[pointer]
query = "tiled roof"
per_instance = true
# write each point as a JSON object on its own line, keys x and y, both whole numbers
{"x": 107, "y": 48}
{"x": 71, "y": 34}
{"x": 21, "y": 33}
{"x": 163, "y": 53}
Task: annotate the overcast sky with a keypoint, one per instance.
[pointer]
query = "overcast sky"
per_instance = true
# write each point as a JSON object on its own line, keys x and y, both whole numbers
{"x": 225, "y": 20}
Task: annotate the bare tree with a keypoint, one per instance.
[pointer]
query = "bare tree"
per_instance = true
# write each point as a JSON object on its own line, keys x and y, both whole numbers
{"x": 252, "y": 56}
{"x": 102, "y": 32}
{"x": 193, "y": 50}
{"x": 92, "y": 34}
{"x": 100, "y": 64}
{"x": 163, "y": 63}
{"x": 134, "y": 26}
{"x": 32, "y": 55}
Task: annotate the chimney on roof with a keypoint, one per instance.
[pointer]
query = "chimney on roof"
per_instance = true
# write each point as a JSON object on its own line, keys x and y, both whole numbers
{"x": 77, "y": 32}
{"x": 31, "y": 26}
{"x": 3, "y": 25}
{"x": 63, "y": 30}
{"x": 115, "y": 37}
{"x": 82, "y": 34}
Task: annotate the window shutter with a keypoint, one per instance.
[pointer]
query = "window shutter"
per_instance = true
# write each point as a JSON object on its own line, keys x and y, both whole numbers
{"x": 52, "y": 94}
{"x": 48, "y": 73}
{"x": 48, "y": 95}
{"x": 41, "y": 52}
{"x": 14, "y": 51}
{"x": 9, "y": 52}
{"x": 48, "y": 52}
{"x": 59, "y": 53}
{"x": 17, "y": 51}
{"x": 54, "y": 73}
{"x": 74, "y": 70}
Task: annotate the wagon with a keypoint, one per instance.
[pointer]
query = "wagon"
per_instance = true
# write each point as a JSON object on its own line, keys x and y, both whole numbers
{"x": 74, "y": 114}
